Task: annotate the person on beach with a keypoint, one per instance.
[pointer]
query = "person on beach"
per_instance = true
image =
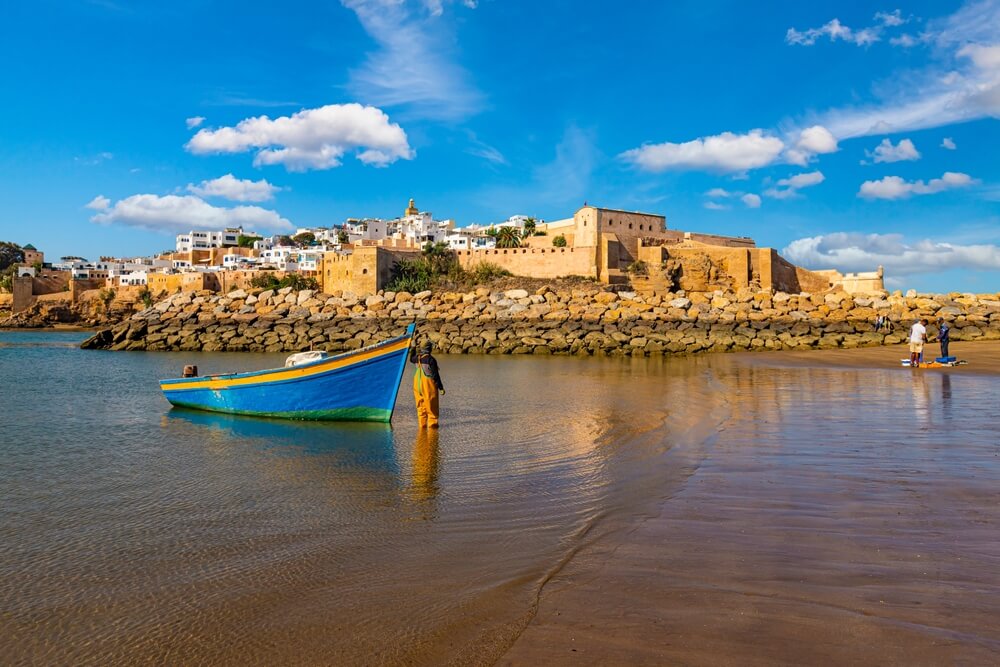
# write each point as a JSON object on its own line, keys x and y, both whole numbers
{"x": 426, "y": 385}
{"x": 918, "y": 336}
{"x": 944, "y": 331}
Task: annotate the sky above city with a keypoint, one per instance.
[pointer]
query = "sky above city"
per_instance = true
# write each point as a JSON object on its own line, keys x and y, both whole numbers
{"x": 846, "y": 135}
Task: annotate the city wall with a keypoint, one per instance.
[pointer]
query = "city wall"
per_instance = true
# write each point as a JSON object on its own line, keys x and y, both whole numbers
{"x": 556, "y": 319}
{"x": 545, "y": 263}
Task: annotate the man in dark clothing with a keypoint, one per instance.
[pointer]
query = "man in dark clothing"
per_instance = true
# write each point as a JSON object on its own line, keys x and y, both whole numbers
{"x": 426, "y": 385}
{"x": 943, "y": 336}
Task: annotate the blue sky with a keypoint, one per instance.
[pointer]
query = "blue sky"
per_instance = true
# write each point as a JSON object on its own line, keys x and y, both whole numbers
{"x": 844, "y": 134}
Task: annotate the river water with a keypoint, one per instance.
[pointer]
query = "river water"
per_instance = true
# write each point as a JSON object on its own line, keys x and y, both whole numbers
{"x": 134, "y": 533}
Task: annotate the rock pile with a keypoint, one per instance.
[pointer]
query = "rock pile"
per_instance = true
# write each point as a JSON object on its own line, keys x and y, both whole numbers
{"x": 588, "y": 320}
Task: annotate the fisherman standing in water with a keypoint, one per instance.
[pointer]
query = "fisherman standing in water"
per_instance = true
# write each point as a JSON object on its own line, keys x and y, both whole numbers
{"x": 426, "y": 385}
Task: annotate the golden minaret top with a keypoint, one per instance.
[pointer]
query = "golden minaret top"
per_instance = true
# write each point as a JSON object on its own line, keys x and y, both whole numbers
{"x": 411, "y": 209}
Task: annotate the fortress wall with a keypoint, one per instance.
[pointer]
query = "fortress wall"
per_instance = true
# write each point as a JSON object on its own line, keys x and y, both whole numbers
{"x": 534, "y": 262}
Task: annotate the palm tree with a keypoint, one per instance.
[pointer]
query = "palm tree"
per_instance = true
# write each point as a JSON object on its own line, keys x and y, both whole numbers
{"x": 529, "y": 227}
{"x": 507, "y": 237}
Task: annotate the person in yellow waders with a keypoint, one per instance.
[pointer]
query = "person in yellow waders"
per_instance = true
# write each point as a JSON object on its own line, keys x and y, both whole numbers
{"x": 426, "y": 385}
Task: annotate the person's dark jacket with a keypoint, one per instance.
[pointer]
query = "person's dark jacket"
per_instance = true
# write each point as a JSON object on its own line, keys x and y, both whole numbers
{"x": 429, "y": 365}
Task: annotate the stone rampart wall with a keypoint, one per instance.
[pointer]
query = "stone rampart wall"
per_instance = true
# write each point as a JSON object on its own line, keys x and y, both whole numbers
{"x": 582, "y": 320}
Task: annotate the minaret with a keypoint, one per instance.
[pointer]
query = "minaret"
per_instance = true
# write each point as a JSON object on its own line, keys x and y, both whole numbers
{"x": 411, "y": 209}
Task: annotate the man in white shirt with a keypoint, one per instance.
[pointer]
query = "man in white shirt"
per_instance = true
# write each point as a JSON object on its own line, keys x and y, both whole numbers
{"x": 918, "y": 336}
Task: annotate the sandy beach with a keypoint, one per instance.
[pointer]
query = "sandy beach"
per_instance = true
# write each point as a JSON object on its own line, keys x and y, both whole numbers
{"x": 873, "y": 544}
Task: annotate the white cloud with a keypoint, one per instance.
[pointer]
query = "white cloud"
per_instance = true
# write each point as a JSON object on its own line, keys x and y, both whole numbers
{"x": 811, "y": 141}
{"x": 236, "y": 189}
{"x": 751, "y": 200}
{"x": 850, "y": 251}
{"x": 194, "y": 122}
{"x": 311, "y": 138}
{"x": 413, "y": 65}
{"x": 719, "y": 192}
{"x": 948, "y": 143}
{"x": 483, "y": 150}
{"x": 894, "y": 187}
{"x": 890, "y": 19}
{"x": 714, "y": 206}
{"x": 99, "y": 203}
{"x": 721, "y": 152}
{"x": 787, "y": 188}
{"x": 983, "y": 57}
{"x": 961, "y": 83}
{"x": 173, "y": 213}
{"x": 835, "y": 30}
{"x": 886, "y": 152}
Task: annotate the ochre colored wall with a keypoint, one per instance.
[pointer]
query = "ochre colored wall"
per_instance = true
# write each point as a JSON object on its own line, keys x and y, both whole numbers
{"x": 534, "y": 262}
{"x": 365, "y": 271}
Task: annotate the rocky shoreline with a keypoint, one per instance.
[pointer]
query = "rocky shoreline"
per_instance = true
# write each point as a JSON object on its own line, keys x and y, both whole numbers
{"x": 584, "y": 320}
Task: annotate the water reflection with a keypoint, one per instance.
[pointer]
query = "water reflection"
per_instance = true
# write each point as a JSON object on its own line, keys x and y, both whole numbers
{"x": 368, "y": 445}
{"x": 426, "y": 465}
{"x": 946, "y": 396}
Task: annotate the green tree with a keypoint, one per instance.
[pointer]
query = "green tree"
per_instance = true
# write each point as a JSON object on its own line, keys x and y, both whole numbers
{"x": 282, "y": 240}
{"x": 343, "y": 237}
{"x": 73, "y": 258}
{"x": 529, "y": 227}
{"x": 507, "y": 237}
{"x": 298, "y": 282}
{"x": 304, "y": 239}
{"x": 559, "y": 241}
{"x": 10, "y": 254}
{"x": 146, "y": 297}
{"x": 245, "y": 241}
{"x": 264, "y": 280}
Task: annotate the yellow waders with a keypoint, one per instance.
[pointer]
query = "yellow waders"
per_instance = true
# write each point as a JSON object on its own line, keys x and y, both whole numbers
{"x": 425, "y": 393}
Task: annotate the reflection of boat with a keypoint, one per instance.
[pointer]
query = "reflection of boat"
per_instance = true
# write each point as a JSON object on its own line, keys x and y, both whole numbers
{"x": 355, "y": 386}
{"x": 366, "y": 445}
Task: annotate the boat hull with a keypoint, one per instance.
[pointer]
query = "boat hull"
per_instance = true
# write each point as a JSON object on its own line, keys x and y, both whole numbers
{"x": 357, "y": 386}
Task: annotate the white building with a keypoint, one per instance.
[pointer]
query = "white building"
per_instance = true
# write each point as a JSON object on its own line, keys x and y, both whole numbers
{"x": 204, "y": 239}
{"x": 133, "y": 278}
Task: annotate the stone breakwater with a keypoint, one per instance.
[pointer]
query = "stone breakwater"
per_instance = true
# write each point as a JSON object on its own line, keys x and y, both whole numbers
{"x": 588, "y": 320}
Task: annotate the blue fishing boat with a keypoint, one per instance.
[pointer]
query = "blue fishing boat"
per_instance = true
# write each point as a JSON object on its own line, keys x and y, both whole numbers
{"x": 355, "y": 386}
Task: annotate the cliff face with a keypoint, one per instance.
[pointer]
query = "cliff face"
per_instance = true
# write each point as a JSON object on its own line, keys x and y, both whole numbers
{"x": 551, "y": 320}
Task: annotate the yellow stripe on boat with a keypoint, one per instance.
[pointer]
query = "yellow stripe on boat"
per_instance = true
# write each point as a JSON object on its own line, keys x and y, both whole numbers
{"x": 295, "y": 373}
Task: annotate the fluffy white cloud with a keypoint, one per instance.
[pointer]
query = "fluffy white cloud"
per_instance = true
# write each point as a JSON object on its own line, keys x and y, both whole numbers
{"x": 786, "y": 188}
{"x": 849, "y": 251}
{"x": 311, "y": 138}
{"x": 811, "y": 141}
{"x": 886, "y": 152}
{"x": 948, "y": 144}
{"x": 194, "y": 122}
{"x": 173, "y": 213}
{"x": 715, "y": 206}
{"x": 894, "y": 187}
{"x": 721, "y": 152}
{"x": 719, "y": 192}
{"x": 98, "y": 203}
{"x": 751, "y": 200}
{"x": 236, "y": 189}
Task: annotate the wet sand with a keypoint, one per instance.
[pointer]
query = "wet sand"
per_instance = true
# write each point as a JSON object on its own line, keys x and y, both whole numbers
{"x": 822, "y": 530}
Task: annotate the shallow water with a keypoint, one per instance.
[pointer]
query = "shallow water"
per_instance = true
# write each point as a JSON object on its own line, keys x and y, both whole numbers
{"x": 135, "y": 533}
